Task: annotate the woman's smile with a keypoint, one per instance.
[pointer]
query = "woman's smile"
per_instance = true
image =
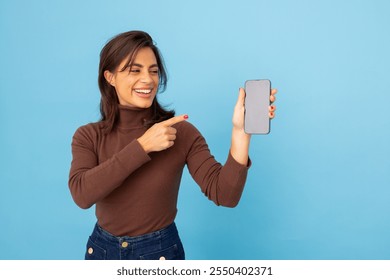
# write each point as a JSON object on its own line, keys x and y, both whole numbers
{"x": 143, "y": 92}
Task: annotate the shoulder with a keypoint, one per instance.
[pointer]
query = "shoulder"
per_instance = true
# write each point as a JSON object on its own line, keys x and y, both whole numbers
{"x": 190, "y": 139}
{"x": 189, "y": 136}
{"x": 88, "y": 131}
{"x": 187, "y": 129}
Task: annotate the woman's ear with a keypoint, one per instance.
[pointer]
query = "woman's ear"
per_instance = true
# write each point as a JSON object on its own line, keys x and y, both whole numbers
{"x": 110, "y": 78}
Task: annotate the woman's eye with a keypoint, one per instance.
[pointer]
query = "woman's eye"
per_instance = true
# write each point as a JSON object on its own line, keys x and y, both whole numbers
{"x": 154, "y": 71}
{"x": 135, "y": 70}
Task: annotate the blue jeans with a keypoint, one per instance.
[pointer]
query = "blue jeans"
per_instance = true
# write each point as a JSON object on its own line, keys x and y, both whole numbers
{"x": 162, "y": 244}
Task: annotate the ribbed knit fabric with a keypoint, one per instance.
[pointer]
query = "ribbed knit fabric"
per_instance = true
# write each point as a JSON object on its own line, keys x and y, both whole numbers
{"x": 135, "y": 192}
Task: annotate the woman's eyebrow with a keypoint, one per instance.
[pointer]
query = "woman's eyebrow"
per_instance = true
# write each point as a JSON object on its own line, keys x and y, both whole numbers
{"x": 141, "y": 66}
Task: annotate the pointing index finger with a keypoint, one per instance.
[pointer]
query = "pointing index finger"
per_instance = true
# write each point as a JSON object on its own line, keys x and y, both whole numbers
{"x": 174, "y": 120}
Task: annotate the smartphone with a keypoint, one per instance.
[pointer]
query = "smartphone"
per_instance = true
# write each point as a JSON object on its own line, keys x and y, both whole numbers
{"x": 257, "y": 102}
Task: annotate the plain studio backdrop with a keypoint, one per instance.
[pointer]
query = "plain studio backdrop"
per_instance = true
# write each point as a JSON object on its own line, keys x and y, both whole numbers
{"x": 319, "y": 185}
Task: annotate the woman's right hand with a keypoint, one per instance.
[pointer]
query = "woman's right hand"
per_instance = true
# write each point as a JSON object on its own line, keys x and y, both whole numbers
{"x": 160, "y": 136}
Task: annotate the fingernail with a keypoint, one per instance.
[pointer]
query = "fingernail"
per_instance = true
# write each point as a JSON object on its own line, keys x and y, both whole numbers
{"x": 185, "y": 117}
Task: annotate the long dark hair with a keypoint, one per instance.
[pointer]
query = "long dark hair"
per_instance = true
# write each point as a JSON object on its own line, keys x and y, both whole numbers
{"x": 122, "y": 46}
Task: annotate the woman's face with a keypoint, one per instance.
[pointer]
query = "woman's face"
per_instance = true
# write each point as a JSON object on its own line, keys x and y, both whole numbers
{"x": 137, "y": 85}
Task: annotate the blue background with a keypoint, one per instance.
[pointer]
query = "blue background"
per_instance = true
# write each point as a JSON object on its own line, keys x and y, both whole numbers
{"x": 319, "y": 184}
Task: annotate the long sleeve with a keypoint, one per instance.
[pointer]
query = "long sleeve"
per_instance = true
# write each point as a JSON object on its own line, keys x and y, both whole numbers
{"x": 90, "y": 181}
{"x": 222, "y": 184}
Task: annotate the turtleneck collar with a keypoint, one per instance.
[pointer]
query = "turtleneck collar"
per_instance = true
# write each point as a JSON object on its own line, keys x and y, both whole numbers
{"x": 130, "y": 117}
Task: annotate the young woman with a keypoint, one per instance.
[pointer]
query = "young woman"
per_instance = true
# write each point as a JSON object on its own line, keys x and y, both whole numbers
{"x": 130, "y": 163}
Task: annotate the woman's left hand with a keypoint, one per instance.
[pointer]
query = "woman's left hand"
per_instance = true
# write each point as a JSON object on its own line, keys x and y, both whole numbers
{"x": 239, "y": 109}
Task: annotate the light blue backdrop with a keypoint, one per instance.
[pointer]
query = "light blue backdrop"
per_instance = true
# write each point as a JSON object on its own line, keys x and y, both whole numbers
{"x": 319, "y": 186}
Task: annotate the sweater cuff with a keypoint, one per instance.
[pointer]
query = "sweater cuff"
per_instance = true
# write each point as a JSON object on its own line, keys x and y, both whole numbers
{"x": 237, "y": 172}
{"x": 238, "y": 165}
{"x": 133, "y": 156}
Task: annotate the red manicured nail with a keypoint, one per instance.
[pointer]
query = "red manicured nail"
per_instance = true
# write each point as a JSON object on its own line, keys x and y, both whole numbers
{"x": 185, "y": 117}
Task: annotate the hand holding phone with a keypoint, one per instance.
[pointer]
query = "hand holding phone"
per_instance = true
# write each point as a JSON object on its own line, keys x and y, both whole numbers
{"x": 257, "y": 102}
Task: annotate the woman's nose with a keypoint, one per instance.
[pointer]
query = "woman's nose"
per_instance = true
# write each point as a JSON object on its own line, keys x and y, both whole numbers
{"x": 146, "y": 77}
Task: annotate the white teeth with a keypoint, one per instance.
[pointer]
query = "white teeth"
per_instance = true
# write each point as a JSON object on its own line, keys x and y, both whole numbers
{"x": 144, "y": 91}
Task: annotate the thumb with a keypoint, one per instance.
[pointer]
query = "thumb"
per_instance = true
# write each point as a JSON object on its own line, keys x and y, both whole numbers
{"x": 174, "y": 120}
{"x": 241, "y": 98}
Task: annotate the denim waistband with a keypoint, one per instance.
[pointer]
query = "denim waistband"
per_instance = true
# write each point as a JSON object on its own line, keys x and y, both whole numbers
{"x": 165, "y": 232}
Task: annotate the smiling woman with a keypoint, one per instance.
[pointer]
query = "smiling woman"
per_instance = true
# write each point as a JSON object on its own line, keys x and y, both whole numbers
{"x": 130, "y": 163}
{"x": 130, "y": 64}
{"x": 136, "y": 85}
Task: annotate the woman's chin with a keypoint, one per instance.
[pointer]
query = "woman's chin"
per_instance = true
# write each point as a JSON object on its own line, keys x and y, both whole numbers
{"x": 141, "y": 104}
{"x": 145, "y": 105}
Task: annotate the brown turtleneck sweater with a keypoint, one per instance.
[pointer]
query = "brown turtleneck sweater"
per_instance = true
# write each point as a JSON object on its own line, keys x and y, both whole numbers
{"x": 135, "y": 192}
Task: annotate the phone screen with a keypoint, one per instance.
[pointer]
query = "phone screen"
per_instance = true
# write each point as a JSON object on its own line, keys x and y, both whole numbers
{"x": 257, "y": 101}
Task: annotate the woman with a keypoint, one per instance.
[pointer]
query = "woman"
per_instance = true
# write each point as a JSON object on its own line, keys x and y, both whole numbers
{"x": 129, "y": 164}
